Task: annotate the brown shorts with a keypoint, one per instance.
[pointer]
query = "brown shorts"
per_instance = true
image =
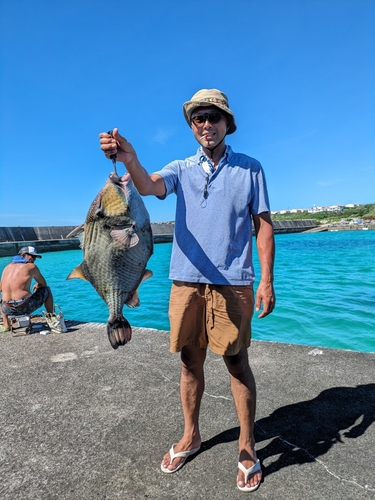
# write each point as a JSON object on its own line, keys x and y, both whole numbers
{"x": 214, "y": 315}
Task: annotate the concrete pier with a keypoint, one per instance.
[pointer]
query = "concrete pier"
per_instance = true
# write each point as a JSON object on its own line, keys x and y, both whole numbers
{"x": 53, "y": 238}
{"x": 80, "y": 421}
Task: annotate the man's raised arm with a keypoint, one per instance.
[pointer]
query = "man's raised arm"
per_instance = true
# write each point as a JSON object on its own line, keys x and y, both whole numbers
{"x": 117, "y": 145}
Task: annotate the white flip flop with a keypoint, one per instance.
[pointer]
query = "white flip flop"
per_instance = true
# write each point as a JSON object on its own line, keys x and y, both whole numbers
{"x": 248, "y": 472}
{"x": 180, "y": 454}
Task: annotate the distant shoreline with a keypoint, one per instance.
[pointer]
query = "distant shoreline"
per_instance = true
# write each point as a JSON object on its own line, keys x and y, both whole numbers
{"x": 53, "y": 238}
{"x": 336, "y": 226}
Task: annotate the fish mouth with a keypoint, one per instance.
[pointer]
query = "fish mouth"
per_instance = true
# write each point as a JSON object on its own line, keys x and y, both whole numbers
{"x": 119, "y": 181}
{"x": 116, "y": 179}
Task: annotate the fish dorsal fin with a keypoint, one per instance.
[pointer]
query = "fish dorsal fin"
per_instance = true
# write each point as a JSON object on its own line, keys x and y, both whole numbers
{"x": 146, "y": 275}
{"x": 95, "y": 206}
{"x": 127, "y": 237}
{"x": 78, "y": 232}
{"x": 77, "y": 273}
{"x": 134, "y": 301}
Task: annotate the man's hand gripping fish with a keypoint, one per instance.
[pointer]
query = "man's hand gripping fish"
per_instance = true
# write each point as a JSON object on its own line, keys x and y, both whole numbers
{"x": 117, "y": 242}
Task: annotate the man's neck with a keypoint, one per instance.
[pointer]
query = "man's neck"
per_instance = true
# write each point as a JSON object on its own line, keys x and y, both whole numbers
{"x": 215, "y": 155}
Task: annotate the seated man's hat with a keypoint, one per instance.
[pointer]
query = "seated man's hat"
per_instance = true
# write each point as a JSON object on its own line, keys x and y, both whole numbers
{"x": 30, "y": 251}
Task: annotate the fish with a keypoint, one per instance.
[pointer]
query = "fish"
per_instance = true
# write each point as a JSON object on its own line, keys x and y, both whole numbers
{"x": 117, "y": 242}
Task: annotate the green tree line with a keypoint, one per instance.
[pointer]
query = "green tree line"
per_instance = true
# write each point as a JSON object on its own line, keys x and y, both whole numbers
{"x": 361, "y": 212}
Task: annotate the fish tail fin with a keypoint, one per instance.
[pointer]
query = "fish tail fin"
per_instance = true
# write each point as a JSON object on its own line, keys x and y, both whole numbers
{"x": 119, "y": 331}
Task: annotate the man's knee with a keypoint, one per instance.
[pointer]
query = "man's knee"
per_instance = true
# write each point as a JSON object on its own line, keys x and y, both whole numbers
{"x": 238, "y": 363}
{"x": 192, "y": 357}
{"x": 47, "y": 293}
{"x": 40, "y": 297}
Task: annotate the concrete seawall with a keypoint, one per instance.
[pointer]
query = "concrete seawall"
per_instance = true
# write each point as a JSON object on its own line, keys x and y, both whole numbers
{"x": 293, "y": 226}
{"x": 13, "y": 247}
{"x": 53, "y": 238}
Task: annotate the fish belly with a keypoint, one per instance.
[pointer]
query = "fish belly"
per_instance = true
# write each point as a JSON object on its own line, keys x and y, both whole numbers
{"x": 115, "y": 272}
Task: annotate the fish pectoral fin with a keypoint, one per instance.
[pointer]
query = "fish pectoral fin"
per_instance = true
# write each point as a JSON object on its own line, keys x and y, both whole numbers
{"x": 127, "y": 237}
{"x": 134, "y": 301}
{"x": 77, "y": 273}
{"x": 147, "y": 274}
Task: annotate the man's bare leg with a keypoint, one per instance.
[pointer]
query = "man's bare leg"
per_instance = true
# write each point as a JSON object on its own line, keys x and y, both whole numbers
{"x": 244, "y": 394}
{"x": 5, "y": 321}
{"x": 191, "y": 391}
{"x": 48, "y": 304}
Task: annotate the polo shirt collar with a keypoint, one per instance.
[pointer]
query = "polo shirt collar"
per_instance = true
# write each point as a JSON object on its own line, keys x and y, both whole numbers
{"x": 227, "y": 154}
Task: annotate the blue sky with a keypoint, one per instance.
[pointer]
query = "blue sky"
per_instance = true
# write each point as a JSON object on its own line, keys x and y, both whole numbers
{"x": 300, "y": 77}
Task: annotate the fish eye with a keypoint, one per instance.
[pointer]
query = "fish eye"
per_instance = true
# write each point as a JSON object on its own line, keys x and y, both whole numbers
{"x": 99, "y": 213}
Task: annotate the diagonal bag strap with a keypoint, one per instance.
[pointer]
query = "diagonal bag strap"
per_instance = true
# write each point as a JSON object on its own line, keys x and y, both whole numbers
{"x": 57, "y": 306}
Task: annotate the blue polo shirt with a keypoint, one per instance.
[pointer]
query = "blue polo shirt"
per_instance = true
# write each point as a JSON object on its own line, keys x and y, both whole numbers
{"x": 213, "y": 225}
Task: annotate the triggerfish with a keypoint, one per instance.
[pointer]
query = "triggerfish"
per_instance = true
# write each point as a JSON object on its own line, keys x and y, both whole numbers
{"x": 117, "y": 243}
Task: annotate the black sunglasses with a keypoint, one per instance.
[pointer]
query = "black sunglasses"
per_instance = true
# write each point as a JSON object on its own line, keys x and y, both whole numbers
{"x": 213, "y": 118}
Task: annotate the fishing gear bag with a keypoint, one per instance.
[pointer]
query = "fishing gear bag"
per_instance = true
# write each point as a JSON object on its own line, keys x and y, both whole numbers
{"x": 55, "y": 320}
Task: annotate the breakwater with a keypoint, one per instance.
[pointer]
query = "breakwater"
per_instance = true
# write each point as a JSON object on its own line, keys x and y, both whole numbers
{"x": 293, "y": 226}
{"x": 54, "y": 238}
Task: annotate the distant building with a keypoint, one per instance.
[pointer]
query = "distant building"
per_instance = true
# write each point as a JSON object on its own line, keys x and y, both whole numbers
{"x": 332, "y": 208}
{"x": 335, "y": 208}
{"x": 315, "y": 209}
{"x": 298, "y": 210}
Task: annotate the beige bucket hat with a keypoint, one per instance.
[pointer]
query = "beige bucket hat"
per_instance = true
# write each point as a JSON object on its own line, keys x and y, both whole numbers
{"x": 210, "y": 97}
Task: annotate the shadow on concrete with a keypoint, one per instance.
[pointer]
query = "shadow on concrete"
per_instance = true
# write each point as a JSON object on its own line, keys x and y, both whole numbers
{"x": 303, "y": 431}
{"x": 73, "y": 325}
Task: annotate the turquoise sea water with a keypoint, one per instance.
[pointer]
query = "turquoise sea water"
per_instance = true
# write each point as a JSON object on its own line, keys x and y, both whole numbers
{"x": 324, "y": 282}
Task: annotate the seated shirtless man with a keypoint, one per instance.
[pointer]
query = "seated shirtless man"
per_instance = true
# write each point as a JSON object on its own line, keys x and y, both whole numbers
{"x": 15, "y": 284}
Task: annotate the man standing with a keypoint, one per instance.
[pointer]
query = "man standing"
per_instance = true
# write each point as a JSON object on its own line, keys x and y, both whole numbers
{"x": 15, "y": 286}
{"x": 219, "y": 194}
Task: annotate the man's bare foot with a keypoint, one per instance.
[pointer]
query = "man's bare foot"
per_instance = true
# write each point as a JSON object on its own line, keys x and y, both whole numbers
{"x": 172, "y": 461}
{"x": 249, "y": 460}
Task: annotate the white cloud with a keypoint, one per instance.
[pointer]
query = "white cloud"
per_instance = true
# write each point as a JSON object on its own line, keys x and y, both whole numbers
{"x": 330, "y": 183}
{"x": 162, "y": 136}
